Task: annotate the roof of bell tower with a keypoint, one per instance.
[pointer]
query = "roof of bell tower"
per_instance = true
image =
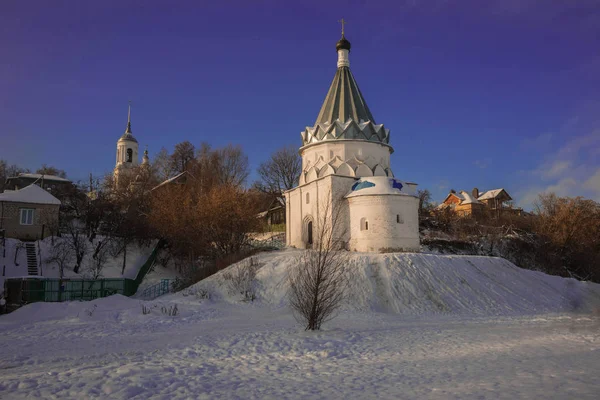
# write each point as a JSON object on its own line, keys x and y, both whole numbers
{"x": 128, "y": 136}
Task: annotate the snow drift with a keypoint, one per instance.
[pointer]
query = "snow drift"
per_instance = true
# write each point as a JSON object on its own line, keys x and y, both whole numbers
{"x": 414, "y": 283}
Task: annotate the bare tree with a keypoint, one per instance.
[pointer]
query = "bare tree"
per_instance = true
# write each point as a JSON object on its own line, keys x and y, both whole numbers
{"x": 228, "y": 215}
{"x": 98, "y": 260}
{"x": 161, "y": 164}
{"x": 231, "y": 165}
{"x": 61, "y": 254}
{"x": 6, "y": 171}
{"x": 281, "y": 172}
{"x": 51, "y": 170}
{"x": 182, "y": 156}
{"x": 76, "y": 239}
{"x": 319, "y": 281}
{"x": 424, "y": 201}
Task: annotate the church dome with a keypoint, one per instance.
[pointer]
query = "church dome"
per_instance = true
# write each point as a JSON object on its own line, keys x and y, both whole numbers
{"x": 128, "y": 136}
{"x": 343, "y": 43}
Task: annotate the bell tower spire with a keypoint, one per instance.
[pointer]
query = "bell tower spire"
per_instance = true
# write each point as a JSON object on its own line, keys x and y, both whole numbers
{"x": 128, "y": 130}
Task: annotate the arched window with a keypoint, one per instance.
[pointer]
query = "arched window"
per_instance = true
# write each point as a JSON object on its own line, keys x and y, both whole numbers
{"x": 309, "y": 233}
{"x": 399, "y": 219}
{"x": 364, "y": 224}
{"x": 129, "y": 155}
{"x": 307, "y": 198}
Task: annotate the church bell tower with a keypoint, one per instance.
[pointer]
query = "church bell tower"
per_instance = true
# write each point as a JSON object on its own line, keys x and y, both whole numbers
{"x": 127, "y": 150}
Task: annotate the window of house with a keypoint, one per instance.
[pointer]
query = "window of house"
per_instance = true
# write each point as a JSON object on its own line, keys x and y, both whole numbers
{"x": 399, "y": 219}
{"x": 129, "y": 155}
{"x": 307, "y": 198}
{"x": 364, "y": 224}
{"x": 27, "y": 216}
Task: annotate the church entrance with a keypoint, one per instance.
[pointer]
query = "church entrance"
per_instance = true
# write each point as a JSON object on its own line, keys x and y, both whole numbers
{"x": 309, "y": 232}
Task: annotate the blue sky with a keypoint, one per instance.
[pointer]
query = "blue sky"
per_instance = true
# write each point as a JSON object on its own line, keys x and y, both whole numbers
{"x": 496, "y": 93}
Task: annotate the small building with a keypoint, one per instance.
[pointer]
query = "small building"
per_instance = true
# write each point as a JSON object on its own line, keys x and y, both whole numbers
{"x": 464, "y": 204}
{"x": 275, "y": 212}
{"x": 492, "y": 202}
{"x": 30, "y": 213}
{"x": 495, "y": 199}
{"x": 51, "y": 183}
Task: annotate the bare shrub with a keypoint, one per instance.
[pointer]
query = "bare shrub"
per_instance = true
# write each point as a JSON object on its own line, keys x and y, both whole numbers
{"x": 171, "y": 311}
{"x": 147, "y": 309}
{"x": 319, "y": 281}
{"x": 241, "y": 279}
{"x": 202, "y": 294}
{"x": 90, "y": 311}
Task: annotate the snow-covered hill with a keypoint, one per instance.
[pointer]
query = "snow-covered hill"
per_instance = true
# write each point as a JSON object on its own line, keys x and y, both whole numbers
{"x": 415, "y": 283}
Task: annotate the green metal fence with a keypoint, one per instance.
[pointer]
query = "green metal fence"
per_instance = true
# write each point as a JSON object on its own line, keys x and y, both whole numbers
{"x": 30, "y": 290}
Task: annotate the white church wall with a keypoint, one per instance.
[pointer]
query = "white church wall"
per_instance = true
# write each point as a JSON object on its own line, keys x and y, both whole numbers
{"x": 324, "y": 194}
{"x": 392, "y": 223}
{"x": 370, "y": 153}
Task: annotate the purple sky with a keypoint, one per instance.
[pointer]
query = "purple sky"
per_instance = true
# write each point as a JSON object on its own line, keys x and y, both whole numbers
{"x": 495, "y": 93}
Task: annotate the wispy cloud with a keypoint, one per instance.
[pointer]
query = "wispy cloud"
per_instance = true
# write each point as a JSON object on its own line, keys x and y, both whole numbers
{"x": 572, "y": 170}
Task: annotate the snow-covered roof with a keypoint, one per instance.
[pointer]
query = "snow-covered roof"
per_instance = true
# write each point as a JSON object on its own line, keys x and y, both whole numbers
{"x": 381, "y": 185}
{"x": 38, "y": 176}
{"x": 468, "y": 198}
{"x": 457, "y": 195}
{"x": 29, "y": 194}
{"x": 491, "y": 194}
{"x": 173, "y": 179}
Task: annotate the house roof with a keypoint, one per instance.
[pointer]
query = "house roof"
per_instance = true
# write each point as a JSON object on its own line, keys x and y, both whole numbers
{"x": 31, "y": 194}
{"x": 468, "y": 198}
{"x": 457, "y": 195}
{"x": 38, "y": 176}
{"x": 492, "y": 194}
{"x": 173, "y": 179}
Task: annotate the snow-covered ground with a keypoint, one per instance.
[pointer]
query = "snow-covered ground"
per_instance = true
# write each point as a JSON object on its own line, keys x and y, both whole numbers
{"x": 418, "y": 326}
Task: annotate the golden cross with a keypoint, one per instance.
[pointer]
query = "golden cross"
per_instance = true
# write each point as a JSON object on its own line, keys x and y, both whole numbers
{"x": 343, "y": 23}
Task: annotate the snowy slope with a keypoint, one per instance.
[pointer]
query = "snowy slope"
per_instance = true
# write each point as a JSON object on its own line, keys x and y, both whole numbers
{"x": 136, "y": 257}
{"x": 415, "y": 283}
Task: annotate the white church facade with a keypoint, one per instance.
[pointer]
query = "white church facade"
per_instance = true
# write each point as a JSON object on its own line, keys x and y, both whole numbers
{"x": 346, "y": 176}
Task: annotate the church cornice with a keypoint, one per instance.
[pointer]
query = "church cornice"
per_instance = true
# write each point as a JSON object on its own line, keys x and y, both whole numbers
{"x": 334, "y": 141}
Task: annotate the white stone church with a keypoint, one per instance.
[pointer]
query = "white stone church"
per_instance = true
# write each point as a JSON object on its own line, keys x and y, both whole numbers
{"x": 346, "y": 172}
